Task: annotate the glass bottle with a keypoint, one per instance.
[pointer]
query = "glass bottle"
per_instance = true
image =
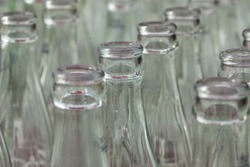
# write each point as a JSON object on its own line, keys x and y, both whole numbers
{"x": 78, "y": 96}
{"x": 246, "y": 37}
{"x": 62, "y": 40}
{"x": 188, "y": 59}
{"x": 24, "y": 117}
{"x": 221, "y": 133}
{"x": 4, "y": 153}
{"x": 126, "y": 137}
{"x": 208, "y": 37}
{"x": 120, "y": 20}
{"x": 235, "y": 64}
{"x": 167, "y": 126}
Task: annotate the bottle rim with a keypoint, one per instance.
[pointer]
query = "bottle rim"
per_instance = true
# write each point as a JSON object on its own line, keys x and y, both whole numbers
{"x": 120, "y": 50}
{"x": 182, "y": 13}
{"x": 78, "y": 74}
{"x": 156, "y": 28}
{"x": 18, "y": 18}
{"x": 239, "y": 57}
{"x": 246, "y": 34}
{"x": 60, "y": 4}
{"x": 223, "y": 89}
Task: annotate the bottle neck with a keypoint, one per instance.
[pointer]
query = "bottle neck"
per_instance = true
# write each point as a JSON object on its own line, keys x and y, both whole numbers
{"x": 220, "y": 146}
{"x": 78, "y": 134}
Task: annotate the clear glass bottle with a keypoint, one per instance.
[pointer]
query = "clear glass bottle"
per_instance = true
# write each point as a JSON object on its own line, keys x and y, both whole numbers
{"x": 167, "y": 126}
{"x": 62, "y": 40}
{"x": 24, "y": 117}
{"x": 188, "y": 59}
{"x": 221, "y": 110}
{"x": 126, "y": 137}
{"x": 4, "y": 153}
{"x": 208, "y": 36}
{"x": 246, "y": 37}
{"x": 235, "y": 64}
{"x": 78, "y": 96}
{"x": 120, "y": 20}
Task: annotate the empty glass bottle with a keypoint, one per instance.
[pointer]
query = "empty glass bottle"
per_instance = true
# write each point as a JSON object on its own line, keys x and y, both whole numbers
{"x": 208, "y": 36}
{"x": 168, "y": 132}
{"x": 24, "y": 116}
{"x": 62, "y": 39}
{"x": 220, "y": 109}
{"x": 4, "y": 153}
{"x": 126, "y": 135}
{"x": 246, "y": 36}
{"x": 188, "y": 65}
{"x": 235, "y": 64}
{"x": 120, "y": 20}
{"x": 78, "y": 96}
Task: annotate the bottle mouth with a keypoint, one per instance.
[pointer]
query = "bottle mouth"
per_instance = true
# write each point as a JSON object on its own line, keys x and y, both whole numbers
{"x": 120, "y": 50}
{"x": 186, "y": 19}
{"x": 78, "y": 75}
{"x": 221, "y": 89}
{"x": 157, "y": 37}
{"x": 18, "y": 27}
{"x": 60, "y": 12}
{"x": 206, "y": 7}
{"x": 239, "y": 57}
{"x": 246, "y": 34}
{"x": 121, "y": 60}
{"x": 156, "y": 28}
{"x": 78, "y": 87}
{"x": 219, "y": 101}
{"x": 120, "y": 5}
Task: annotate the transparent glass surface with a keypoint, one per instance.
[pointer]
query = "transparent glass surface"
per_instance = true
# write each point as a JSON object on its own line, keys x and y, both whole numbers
{"x": 120, "y": 20}
{"x": 221, "y": 135}
{"x": 24, "y": 117}
{"x": 168, "y": 135}
{"x": 124, "y": 121}
{"x": 62, "y": 44}
{"x": 208, "y": 36}
{"x": 4, "y": 153}
{"x": 188, "y": 61}
{"x": 78, "y": 96}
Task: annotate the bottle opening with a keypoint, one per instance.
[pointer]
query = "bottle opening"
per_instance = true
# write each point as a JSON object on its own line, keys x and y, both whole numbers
{"x": 187, "y": 20}
{"x": 120, "y": 5}
{"x": 78, "y": 74}
{"x": 33, "y": 1}
{"x": 207, "y": 7}
{"x": 236, "y": 57}
{"x": 157, "y": 37}
{"x": 121, "y": 60}
{"x": 60, "y": 12}
{"x": 220, "y": 101}
{"x": 78, "y": 87}
{"x": 18, "y": 27}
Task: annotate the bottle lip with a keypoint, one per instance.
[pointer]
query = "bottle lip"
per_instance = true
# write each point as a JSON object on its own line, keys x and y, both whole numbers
{"x": 60, "y": 12}
{"x": 206, "y": 7}
{"x": 120, "y": 50}
{"x": 33, "y": 1}
{"x": 156, "y": 28}
{"x": 18, "y": 18}
{"x": 223, "y": 89}
{"x": 182, "y": 14}
{"x": 18, "y": 27}
{"x": 78, "y": 74}
{"x": 246, "y": 34}
{"x": 184, "y": 17}
{"x": 239, "y": 57}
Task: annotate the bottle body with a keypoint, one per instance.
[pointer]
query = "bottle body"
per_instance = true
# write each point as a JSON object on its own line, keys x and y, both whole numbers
{"x": 124, "y": 121}
{"x": 24, "y": 116}
{"x": 78, "y": 96}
